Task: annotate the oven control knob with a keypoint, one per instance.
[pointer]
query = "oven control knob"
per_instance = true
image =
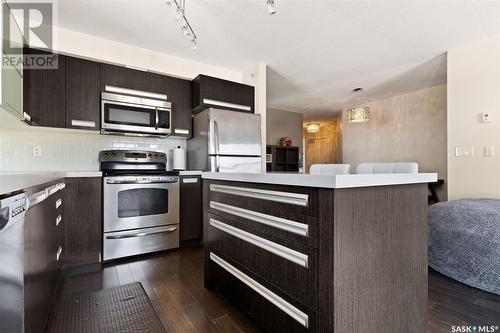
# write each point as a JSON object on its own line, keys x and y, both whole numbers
{"x": 150, "y": 155}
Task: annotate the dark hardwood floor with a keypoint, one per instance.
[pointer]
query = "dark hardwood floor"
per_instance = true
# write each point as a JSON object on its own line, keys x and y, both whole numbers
{"x": 174, "y": 283}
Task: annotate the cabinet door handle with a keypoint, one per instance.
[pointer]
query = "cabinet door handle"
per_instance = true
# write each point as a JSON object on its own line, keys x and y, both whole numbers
{"x": 82, "y": 123}
{"x": 58, "y": 220}
{"x": 278, "y": 301}
{"x": 189, "y": 180}
{"x": 227, "y": 104}
{"x": 27, "y": 117}
{"x": 59, "y": 252}
{"x": 181, "y": 131}
{"x": 275, "y": 248}
{"x": 58, "y": 203}
{"x": 297, "y": 199}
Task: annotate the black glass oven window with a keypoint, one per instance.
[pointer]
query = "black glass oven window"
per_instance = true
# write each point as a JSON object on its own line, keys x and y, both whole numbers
{"x": 126, "y": 115}
{"x": 142, "y": 202}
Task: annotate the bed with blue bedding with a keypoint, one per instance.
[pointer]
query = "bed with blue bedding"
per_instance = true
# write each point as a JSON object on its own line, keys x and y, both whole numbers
{"x": 464, "y": 241}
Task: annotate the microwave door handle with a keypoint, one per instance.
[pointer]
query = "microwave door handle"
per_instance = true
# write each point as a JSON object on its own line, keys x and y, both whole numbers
{"x": 156, "y": 117}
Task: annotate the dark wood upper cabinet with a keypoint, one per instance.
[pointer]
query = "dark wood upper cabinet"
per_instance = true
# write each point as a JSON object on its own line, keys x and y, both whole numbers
{"x": 213, "y": 92}
{"x": 45, "y": 94}
{"x": 82, "y": 94}
{"x": 123, "y": 77}
{"x": 191, "y": 208}
{"x": 180, "y": 96}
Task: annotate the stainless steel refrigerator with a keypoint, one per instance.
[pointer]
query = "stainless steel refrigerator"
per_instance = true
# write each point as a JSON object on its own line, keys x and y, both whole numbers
{"x": 225, "y": 141}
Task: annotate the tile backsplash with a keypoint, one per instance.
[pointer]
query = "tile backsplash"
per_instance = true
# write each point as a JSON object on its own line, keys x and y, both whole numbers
{"x": 68, "y": 150}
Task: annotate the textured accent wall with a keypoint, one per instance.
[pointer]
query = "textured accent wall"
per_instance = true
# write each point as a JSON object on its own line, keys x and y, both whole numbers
{"x": 324, "y": 146}
{"x": 409, "y": 127}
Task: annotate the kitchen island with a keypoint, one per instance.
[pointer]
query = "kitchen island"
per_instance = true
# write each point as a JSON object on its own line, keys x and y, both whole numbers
{"x": 303, "y": 253}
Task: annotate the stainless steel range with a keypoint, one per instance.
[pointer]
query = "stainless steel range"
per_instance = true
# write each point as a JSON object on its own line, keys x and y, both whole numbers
{"x": 141, "y": 203}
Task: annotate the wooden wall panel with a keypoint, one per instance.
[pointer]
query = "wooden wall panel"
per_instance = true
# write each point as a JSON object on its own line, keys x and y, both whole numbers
{"x": 324, "y": 146}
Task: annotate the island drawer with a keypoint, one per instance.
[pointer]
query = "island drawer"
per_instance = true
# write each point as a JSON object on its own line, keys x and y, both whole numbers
{"x": 289, "y": 266}
{"x": 274, "y": 310}
{"x": 295, "y": 227}
{"x": 277, "y": 200}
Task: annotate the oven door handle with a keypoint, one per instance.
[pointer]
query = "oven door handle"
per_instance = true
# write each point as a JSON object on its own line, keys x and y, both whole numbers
{"x": 142, "y": 234}
{"x": 118, "y": 182}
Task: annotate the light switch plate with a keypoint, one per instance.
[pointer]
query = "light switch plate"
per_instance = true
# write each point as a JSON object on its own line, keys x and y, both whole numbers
{"x": 37, "y": 151}
{"x": 486, "y": 117}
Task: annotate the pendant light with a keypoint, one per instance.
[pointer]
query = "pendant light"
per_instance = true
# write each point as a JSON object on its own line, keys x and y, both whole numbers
{"x": 358, "y": 113}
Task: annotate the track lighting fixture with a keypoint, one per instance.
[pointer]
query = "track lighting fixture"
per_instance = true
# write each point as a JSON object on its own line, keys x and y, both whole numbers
{"x": 271, "y": 7}
{"x": 180, "y": 17}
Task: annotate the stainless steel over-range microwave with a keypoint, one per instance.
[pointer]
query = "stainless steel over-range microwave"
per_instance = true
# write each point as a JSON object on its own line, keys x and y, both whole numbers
{"x": 133, "y": 112}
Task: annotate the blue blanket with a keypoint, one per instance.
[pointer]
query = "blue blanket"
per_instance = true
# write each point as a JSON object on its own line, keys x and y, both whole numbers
{"x": 464, "y": 241}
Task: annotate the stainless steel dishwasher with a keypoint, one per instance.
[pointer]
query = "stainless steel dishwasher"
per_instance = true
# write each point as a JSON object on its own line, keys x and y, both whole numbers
{"x": 12, "y": 212}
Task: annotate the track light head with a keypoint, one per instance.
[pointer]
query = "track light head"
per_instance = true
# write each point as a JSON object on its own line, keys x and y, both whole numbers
{"x": 271, "y": 7}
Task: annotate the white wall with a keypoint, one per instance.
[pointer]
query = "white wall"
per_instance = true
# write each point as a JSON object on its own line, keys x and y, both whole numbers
{"x": 284, "y": 123}
{"x": 105, "y": 50}
{"x": 473, "y": 88}
{"x": 74, "y": 150}
{"x": 409, "y": 127}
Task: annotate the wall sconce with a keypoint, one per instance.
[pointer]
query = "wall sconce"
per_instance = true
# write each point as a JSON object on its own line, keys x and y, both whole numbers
{"x": 312, "y": 128}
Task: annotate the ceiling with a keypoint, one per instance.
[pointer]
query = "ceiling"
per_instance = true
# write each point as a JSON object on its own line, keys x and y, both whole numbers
{"x": 316, "y": 51}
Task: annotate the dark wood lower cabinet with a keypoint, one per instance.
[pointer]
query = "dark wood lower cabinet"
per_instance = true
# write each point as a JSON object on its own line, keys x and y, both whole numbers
{"x": 83, "y": 211}
{"x": 367, "y": 271}
{"x": 43, "y": 250}
{"x": 191, "y": 209}
{"x": 65, "y": 229}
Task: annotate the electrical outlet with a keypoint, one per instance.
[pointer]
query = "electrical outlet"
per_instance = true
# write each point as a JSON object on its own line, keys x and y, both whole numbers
{"x": 37, "y": 151}
{"x": 464, "y": 151}
{"x": 489, "y": 151}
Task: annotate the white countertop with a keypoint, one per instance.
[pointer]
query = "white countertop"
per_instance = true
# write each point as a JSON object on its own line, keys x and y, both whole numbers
{"x": 15, "y": 181}
{"x": 325, "y": 181}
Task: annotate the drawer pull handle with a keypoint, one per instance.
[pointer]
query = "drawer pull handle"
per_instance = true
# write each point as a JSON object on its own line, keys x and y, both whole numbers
{"x": 142, "y": 234}
{"x": 283, "y": 305}
{"x": 227, "y": 104}
{"x": 189, "y": 180}
{"x": 58, "y": 220}
{"x": 58, "y": 203}
{"x": 58, "y": 254}
{"x": 297, "y": 199}
{"x": 53, "y": 189}
{"x": 275, "y": 248}
{"x": 82, "y": 123}
{"x": 273, "y": 221}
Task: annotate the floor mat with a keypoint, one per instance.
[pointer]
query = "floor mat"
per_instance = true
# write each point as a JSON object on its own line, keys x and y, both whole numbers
{"x": 122, "y": 309}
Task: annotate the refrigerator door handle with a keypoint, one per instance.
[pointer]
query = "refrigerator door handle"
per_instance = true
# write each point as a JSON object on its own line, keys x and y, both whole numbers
{"x": 216, "y": 138}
